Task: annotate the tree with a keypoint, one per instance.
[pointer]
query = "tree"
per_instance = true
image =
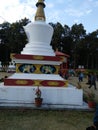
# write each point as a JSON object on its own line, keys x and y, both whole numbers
{"x": 67, "y": 40}
{"x": 57, "y": 36}
{"x": 4, "y": 53}
{"x": 13, "y": 37}
{"x": 4, "y": 32}
{"x": 18, "y": 37}
{"x": 93, "y": 47}
{"x": 77, "y": 33}
{"x": 82, "y": 47}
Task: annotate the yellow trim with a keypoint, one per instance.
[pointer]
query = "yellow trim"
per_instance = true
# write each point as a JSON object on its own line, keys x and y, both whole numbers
{"x": 37, "y": 82}
{"x": 38, "y": 57}
{"x": 52, "y": 83}
{"x": 22, "y": 82}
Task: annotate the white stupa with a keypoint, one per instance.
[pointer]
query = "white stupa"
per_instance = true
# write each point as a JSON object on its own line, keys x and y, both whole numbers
{"x": 37, "y": 65}
{"x": 39, "y": 34}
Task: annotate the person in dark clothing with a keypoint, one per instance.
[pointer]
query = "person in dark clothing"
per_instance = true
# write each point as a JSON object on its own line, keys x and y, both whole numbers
{"x": 91, "y": 128}
{"x": 81, "y": 76}
{"x": 95, "y": 121}
{"x": 89, "y": 79}
{"x": 93, "y": 80}
{"x": 96, "y": 117}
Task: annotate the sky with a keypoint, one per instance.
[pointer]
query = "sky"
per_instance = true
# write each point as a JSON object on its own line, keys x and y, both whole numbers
{"x": 66, "y": 12}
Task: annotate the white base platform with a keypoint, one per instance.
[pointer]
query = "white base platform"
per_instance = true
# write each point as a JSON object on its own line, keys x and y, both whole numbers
{"x": 50, "y": 95}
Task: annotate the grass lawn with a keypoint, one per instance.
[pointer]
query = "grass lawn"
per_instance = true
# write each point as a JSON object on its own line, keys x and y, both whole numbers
{"x": 22, "y": 119}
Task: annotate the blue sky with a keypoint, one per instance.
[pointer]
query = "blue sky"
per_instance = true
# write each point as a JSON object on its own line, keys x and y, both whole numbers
{"x": 66, "y": 12}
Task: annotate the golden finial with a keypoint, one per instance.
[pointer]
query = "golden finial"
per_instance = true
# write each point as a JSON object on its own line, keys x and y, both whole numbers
{"x": 40, "y": 15}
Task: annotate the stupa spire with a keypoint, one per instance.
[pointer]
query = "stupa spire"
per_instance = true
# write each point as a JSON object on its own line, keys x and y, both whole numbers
{"x": 40, "y": 15}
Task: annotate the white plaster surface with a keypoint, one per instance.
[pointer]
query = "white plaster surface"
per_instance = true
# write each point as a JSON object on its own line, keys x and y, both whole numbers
{"x": 36, "y": 76}
{"x": 37, "y": 62}
{"x": 50, "y": 95}
{"x": 39, "y": 38}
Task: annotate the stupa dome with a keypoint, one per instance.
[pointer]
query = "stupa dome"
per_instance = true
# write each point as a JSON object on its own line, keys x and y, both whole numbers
{"x": 39, "y": 34}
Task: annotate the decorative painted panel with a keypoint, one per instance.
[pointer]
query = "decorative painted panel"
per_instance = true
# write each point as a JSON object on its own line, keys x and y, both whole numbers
{"x": 27, "y": 68}
{"x": 48, "y": 69}
{"x": 37, "y": 68}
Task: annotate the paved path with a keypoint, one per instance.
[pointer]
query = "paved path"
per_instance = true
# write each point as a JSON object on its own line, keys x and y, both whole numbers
{"x": 3, "y": 74}
{"x": 74, "y": 81}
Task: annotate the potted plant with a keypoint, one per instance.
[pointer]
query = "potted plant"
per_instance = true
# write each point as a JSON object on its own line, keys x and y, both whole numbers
{"x": 38, "y": 99}
{"x": 91, "y": 99}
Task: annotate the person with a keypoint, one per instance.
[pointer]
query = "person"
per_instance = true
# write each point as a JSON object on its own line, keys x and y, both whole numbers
{"x": 93, "y": 81}
{"x": 95, "y": 121}
{"x": 81, "y": 76}
{"x": 89, "y": 79}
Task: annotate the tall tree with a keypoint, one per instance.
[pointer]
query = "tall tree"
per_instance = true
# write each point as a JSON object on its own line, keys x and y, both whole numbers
{"x": 67, "y": 40}
{"x": 18, "y": 37}
{"x": 77, "y": 33}
{"x": 12, "y": 36}
{"x": 57, "y": 36}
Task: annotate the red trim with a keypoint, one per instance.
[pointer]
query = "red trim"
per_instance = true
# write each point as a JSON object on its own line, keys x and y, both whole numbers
{"x": 18, "y": 82}
{"x": 58, "y": 53}
{"x": 36, "y": 57}
{"x": 30, "y": 82}
{"x": 53, "y": 83}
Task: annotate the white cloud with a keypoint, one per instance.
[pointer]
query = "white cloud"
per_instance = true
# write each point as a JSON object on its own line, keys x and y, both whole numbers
{"x": 76, "y": 21}
{"x": 13, "y": 10}
{"x": 52, "y": 17}
{"x": 74, "y": 12}
{"x": 60, "y": 1}
{"x": 64, "y": 11}
{"x": 89, "y": 11}
{"x": 50, "y": 5}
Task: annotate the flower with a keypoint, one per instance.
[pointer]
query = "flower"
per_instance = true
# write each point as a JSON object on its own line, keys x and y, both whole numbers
{"x": 38, "y": 92}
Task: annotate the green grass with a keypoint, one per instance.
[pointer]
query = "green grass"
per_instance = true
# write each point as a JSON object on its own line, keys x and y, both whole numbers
{"x": 22, "y": 119}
